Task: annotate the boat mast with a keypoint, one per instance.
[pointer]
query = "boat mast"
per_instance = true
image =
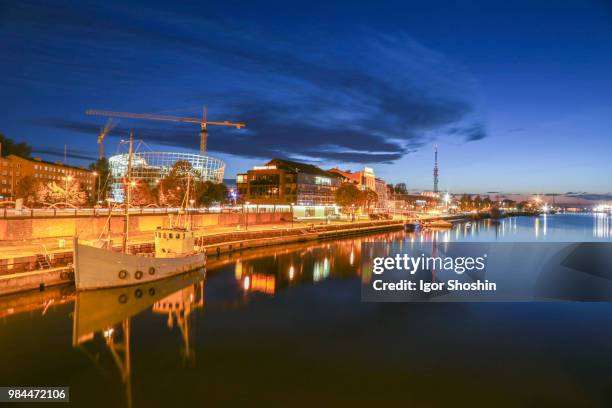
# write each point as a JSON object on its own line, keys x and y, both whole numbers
{"x": 188, "y": 219}
{"x": 126, "y": 225}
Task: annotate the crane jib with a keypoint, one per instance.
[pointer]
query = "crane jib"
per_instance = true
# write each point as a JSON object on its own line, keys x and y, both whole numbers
{"x": 150, "y": 116}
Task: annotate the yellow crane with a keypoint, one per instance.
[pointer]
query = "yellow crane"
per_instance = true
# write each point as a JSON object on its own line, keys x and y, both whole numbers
{"x": 110, "y": 124}
{"x": 150, "y": 116}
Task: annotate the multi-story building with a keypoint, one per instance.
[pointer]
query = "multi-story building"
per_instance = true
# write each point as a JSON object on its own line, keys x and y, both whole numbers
{"x": 9, "y": 175}
{"x": 307, "y": 188}
{"x": 363, "y": 179}
{"x": 14, "y": 168}
{"x": 381, "y": 192}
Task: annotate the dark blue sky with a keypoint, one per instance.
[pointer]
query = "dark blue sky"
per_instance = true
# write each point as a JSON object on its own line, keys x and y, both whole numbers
{"x": 518, "y": 95}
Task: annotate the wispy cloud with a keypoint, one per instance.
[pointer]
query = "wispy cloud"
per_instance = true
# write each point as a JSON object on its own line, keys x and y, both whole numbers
{"x": 356, "y": 97}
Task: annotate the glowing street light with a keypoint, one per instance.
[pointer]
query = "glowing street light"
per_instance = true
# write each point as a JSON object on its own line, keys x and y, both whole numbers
{"x": 96, "y": 175}
{"x": 67, "y": 179}
{"x": 247, "y": 216}
{"x": 292, "y": 215}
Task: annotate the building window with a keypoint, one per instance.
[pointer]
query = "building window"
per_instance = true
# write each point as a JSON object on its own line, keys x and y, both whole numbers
{"x": 324, "y": 181}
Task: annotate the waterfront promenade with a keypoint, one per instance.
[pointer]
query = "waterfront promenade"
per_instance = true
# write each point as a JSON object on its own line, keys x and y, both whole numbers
{"x": 13, "y": 248}
{"x": 28, "y": 265}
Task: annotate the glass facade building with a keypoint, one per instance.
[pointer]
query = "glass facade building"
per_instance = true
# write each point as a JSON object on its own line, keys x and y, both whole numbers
{"x": 288, "y": 182}
{"x": 153, "y": 166}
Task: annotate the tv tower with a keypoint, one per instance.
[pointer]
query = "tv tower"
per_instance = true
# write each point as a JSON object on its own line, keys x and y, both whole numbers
{"x": 435, "y": 169}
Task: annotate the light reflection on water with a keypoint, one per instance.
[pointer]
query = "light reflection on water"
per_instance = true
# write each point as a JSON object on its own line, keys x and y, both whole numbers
{"x": 550, "y": 228}
{"x": 247, "y": 315}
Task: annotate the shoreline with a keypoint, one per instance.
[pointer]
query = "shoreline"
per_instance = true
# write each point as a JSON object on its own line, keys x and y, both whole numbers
{"x": 213, "y": 245}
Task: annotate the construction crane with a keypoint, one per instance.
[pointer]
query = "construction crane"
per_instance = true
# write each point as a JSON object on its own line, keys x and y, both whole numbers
{"x": 110, "y": 124}
{"x": 150, "y": 116}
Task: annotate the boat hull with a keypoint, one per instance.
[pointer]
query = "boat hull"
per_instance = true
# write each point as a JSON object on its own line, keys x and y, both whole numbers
{"x": 97, "y": 268}
{"x": 439, "y": 224}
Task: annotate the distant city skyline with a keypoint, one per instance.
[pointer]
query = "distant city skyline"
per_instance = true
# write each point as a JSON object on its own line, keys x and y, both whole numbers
{"x": 518, "y": 97}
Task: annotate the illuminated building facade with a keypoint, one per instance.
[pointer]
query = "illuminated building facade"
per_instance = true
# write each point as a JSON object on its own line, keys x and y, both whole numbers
{"x": 14, "y": 168}
{"x": 365, "y": 179}
{"x": 381, "y": 192}
{"x": 309, "y": 188}
{"x": 151, "y": 167}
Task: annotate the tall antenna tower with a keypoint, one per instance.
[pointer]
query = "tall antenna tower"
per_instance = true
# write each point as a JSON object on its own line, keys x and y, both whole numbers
{"x": 435, "y": 169}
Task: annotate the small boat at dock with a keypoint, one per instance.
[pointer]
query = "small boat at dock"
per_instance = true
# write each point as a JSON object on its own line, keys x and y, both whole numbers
{"x": 98, "y": 265}
{"x": 438, "y": 224}
{"x": 101, "y": 267}
{"x": 412, "y": 226}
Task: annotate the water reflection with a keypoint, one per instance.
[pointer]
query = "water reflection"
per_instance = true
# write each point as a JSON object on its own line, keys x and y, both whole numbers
{"x": 546, "y": 227}
{"x": 602, "y": 227}
{"x": 103, "y": 325}
{"x": 101, "y": 322}
{"x": 296, "y": 264}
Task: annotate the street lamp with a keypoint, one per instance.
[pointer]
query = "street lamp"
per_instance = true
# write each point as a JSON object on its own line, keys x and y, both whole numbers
{"x": 159, "y": 191}
{"x": 130, "y": 186}
{"x": 67, "y": 179}
{"x": 247, "y": 216}
{"x": 292, "y": 215}
{"x": 95, "y": 174}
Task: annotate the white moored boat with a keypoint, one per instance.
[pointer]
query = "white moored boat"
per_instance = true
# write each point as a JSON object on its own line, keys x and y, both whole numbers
{"x": 99, "y": 266}
{"x": 96, "y": 267}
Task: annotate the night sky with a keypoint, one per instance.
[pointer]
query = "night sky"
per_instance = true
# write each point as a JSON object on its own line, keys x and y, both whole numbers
{"x": 518, "y": 95}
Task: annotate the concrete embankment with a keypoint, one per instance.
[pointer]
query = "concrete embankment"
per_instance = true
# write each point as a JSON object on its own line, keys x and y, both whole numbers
{"x": 26, "y": 228}
{"x": 35, "y": 280}
{"x": 238, "y": 242}
{"x": 212, "y": 244}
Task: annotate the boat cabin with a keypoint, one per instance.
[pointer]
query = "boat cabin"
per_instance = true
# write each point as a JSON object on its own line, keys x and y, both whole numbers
{"x": 173, "y": 242}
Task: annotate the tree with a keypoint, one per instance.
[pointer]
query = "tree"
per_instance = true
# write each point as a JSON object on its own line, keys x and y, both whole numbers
{"x": 477, "y": 202}
{"x": 348, "y": 195}
{"x": 368, "y": 197}
{"x": 486, "y": 202}
{"x": 10, "y": 147}
{"x": 508, "y": 203}
{"x": 523, "y": 205}
{"x": 71, "y": 192}
{"x": 466, "y": 202}
{"x": 27, "y": 189}
{"x": 173, "y": 187}
{"x": 141, "y": 194}
{"x": 103, "y": 179}
{"x": 209, "y": 193}
{"x": 400, "y": 188}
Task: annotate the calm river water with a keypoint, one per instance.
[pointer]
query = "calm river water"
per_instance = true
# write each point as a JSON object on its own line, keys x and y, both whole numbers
{"x": 286, "y": 326}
